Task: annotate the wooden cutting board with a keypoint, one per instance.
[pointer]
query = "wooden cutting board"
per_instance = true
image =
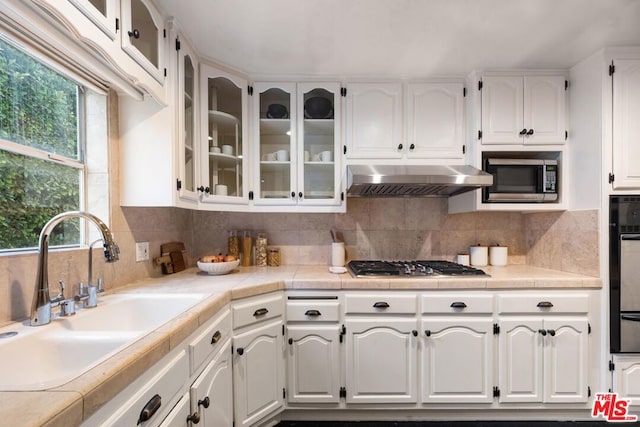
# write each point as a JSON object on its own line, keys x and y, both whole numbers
{"x": 176, "y": 251}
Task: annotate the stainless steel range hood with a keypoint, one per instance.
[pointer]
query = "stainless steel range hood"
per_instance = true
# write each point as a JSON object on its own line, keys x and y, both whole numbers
{"x": 414, "y": 180}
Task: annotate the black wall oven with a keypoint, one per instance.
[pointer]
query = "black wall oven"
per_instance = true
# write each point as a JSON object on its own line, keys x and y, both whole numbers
{"x": 624, "y": 273}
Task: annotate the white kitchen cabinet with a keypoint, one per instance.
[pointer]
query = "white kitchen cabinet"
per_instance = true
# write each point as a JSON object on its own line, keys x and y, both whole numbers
{"x": 435, "y": 120}
{"x": 374, "y": 121}
{"x": 223, "y": 144}
{"x": 626, "y": 377}
{"x": 381, "y": 360}
{"x": 297, "y": 159}
{"x": 258, "y": 373}
{"x": 102, "y": 13}
{"x": 143, "y": 36}
{"x": 210, "y": 394}
{"x": 543, "y": 348}
{"x": 527, "y": 109}
{"x": 186, "y": 126}
{"x": 179, "y": 415}
{"x": 313, "y": 363}
{"x": 626, "y": 127}
{"x": 457, "y": 359}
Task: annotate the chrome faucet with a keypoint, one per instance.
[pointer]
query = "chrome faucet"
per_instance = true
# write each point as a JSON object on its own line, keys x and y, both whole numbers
{"x": 42, "y": 301}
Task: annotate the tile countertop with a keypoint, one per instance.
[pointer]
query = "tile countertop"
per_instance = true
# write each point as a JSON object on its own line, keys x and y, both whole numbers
{"x": 70, "y": 403}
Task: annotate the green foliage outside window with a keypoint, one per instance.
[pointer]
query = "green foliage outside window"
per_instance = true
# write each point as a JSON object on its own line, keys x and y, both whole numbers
{"x": 38, "y": 109}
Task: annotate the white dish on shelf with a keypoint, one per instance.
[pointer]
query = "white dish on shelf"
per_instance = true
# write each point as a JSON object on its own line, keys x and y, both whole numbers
{"x": 218, "y": 268}
{"x": 337, "y": 270}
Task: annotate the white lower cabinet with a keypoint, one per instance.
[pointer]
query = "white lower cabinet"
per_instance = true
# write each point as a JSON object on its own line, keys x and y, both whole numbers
{"x": 626, "y": 377}
{"x": 381, "y": 360}
{"x": 543, "y": 347}
{"x": 179, "y": 415}
{"x": 211, "y": 397}
{"x": 258, "y": 373}
{"x": 457, "y": 360}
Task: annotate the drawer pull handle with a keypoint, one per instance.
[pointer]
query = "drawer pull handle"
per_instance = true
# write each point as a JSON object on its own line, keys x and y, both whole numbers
{"x": 427, "y": 333}
{"x": 260, "y": 312}
{"x": 215, "y": 338}
{"x": 194, "y": 418}
{"x": 150, "y": 408}
{"x": 381, "y": 304}
{"x": 204, "y": 402}
{"x": 542, "y": 332}
{"x": 458, "y": 304}
{"x": 240, "y": 351}
{"x": 552, "y": 332}
{"x": 312, "y": 313}
{"x": 545, "y": 304}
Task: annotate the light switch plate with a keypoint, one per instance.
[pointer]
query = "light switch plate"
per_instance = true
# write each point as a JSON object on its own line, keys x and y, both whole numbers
{"x": 142, "y": 251}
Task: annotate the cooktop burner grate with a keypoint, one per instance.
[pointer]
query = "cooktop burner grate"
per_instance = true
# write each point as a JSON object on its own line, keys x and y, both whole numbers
{"x": 366, "y": 268}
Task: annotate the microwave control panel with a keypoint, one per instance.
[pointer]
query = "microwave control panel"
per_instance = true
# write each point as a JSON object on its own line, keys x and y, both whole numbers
{"x": 550, "y": 178}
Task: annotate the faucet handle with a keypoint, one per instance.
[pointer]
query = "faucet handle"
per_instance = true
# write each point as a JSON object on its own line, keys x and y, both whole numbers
{"x": 100, "y": 282}
{"x": 60, "y": 295}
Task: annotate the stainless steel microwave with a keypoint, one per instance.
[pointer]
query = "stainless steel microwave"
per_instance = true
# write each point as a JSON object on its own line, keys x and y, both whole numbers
{"x": 521, "y": 181}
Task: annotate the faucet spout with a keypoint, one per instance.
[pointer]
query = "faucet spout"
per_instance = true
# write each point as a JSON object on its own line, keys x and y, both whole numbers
{"x": 42, "y": 302}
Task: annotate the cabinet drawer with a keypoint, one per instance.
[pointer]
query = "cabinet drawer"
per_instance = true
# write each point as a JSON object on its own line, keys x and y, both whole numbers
{"x": 210, "y": 340}
{"x": 381, "y": 304}
{"x": 166, "y": 384}
{"x": 313, "y": 311}
{"x": 457, "y": 304}
{"x": 256, "y": 310}
{"x": 538, "y": 304}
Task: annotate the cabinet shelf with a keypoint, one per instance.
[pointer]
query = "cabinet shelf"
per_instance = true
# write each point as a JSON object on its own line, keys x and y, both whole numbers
{"x": 273, "y": 166}
{"x": 319, "y": 163}
{"x": 324, "y": 127}
{"x": 275, "y": 126}
{"x": 224, "y": 160}
{"x": 222, "y": 118}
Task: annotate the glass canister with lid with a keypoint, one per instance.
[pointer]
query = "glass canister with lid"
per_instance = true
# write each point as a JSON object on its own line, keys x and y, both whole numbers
{"x": 261, "y": 249}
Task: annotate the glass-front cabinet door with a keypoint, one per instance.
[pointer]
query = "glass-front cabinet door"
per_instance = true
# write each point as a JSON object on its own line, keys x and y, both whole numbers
{"x": 142, "y": 35}
{"x": 274, "y": 111}
{"x": 223, "y": 138}
{"x": 103, "y": 14}
{"x": 187, "y": 131}
{"x": 319, "y": 134}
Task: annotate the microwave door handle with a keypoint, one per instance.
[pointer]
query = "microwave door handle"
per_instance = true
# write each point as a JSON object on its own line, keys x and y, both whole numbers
{"x": 630, "y": 237}
{"x": 631, "y": 317}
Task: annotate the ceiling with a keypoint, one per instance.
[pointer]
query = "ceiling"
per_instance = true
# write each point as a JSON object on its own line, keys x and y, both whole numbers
{"x": 402, "y": 38}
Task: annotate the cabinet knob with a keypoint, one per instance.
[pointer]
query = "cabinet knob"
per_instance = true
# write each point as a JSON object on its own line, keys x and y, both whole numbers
{"x": 194, "y": 418}
{"x": 135, "y": 34}
{"x": 552, "y": 332}
{"x": 427, "y": 333}
{"x": 415, "y": 333}
{"x": 523, "y": 132}
{"x": 530, "y": 132}
{"x": 400, "y": 147}
{"x": 204, "y": 402}
{"x": 240, "y": 351}
{"x": 412, "y": 147}
{"x": 293, "y": 194}
{"x": 203, "y": 189}
{"x": 542, "y": 332}
{"x": 290, "y": 341}
{"x": 300, "y": 194}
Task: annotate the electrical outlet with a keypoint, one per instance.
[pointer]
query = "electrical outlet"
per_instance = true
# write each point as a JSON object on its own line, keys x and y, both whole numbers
{"x": 142, "y": 251}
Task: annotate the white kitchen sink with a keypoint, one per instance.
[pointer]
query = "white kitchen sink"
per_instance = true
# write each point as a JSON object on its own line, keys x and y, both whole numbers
{"x": 42, "y": 357}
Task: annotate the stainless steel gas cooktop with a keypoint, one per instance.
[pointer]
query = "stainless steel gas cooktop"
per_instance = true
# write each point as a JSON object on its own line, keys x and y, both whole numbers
{"x": 411, "y": 269}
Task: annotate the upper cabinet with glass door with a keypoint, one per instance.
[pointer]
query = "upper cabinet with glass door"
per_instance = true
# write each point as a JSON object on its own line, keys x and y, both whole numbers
{"x": 297, "y": 146}
{"x": 103, "y": 13}
{"x": 143, "y": 35}
{"x": 187, "y": 98}
{"x": 224, "y": 170}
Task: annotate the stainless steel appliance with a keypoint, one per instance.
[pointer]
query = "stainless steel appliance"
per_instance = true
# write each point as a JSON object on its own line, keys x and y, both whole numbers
{"x": 624, "y": 273}
{"x": 414, "y": 180}
{"x": 435, "y": 268}
{"x": 521, "y": 180}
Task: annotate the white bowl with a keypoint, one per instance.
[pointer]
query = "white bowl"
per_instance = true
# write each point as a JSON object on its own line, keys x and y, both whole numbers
{"x": 218, "y": 268}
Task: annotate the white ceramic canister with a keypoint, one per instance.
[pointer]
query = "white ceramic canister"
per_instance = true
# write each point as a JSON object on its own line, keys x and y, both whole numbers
{"x": 337, "y": 254}
{"x": 478, "y": 255}
{"x": 498, "y": 255}
{"x": 462, "y": 259}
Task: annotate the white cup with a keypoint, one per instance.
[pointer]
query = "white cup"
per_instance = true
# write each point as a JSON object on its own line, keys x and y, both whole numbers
{"x": 326, "y": 156}
{"x": 307, "y": 155}
{"x": 227, "y": 149}
{"x": 214, "y": 149}
{"x": 282, "y": 155}
{"x": 221, "y": 190}
{"x": 337, "y": 254}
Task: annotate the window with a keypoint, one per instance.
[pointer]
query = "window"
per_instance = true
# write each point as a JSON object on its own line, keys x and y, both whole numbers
{"x": 42, "y": 167}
